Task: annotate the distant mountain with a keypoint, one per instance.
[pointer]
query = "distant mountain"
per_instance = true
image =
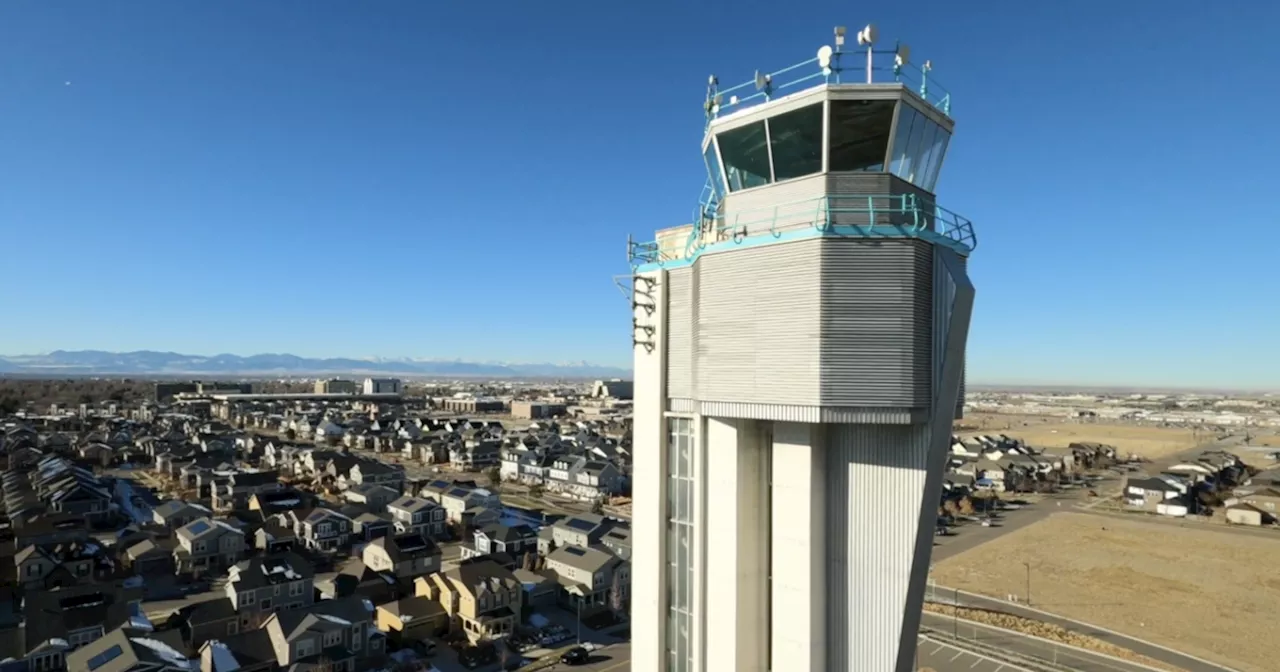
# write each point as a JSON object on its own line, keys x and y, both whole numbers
{"x": 148, "y": 362}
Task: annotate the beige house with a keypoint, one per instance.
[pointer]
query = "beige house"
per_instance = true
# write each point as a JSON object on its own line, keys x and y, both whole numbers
{"x": 1265, "y": 499}
{"x": 337, "y": 635}
{"x": 586, "y": 575}
{"x": 406, "y": 555}
{"x": 482, "y": 598}
{"x": 413, "y": 619}
{"x": 206, "y": 544}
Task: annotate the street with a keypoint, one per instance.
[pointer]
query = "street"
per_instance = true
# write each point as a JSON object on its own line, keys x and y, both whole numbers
{"x": 1017, "y": 643}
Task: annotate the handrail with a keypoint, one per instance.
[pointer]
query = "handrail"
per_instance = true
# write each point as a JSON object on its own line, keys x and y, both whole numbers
{"x": 845, "y": 67}
{"x": 845, "y": 215}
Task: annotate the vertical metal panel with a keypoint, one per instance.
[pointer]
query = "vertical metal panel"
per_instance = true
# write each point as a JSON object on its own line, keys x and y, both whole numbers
{"x": 944, "y": 297}
{"x": 679, "y": 333}
{"x": 758, "y": 324}
{"x": 875, "y": 480}
{"x": 876, "y": 323}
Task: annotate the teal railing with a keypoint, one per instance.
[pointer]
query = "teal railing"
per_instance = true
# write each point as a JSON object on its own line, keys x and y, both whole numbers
{"x": 854, "y": 216}
{"x": 844, "y": 67}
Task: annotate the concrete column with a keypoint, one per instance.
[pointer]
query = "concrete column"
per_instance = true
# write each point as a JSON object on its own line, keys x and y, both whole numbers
{"x": 736, "y": 546}
{"x": 649, "y": 487}
{"x": 799, "y": 639}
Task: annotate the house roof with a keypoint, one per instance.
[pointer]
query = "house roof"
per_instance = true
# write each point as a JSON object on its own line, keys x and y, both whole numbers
{"x": 584, "y": 558}
{"x": 270, "y": 569}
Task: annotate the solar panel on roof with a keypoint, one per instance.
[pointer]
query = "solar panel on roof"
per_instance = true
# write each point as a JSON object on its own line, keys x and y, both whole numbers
{"x": 575, "y": 550}
{"x": 580, "y": 524}
{"x": 410, "y": 502}
{"x": 198, "y": 527}
{"x": 105, "y": 657}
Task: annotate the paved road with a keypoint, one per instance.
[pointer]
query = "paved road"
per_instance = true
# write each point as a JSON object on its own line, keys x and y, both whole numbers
{"x": 1012, "y": 642}
{"x": 1135, "y": 645}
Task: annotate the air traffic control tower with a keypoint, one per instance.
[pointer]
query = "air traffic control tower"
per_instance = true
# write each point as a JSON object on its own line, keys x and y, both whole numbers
{"x": 799, "y": 359}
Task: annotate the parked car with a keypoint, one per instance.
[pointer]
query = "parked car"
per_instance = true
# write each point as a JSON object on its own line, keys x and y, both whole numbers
{"x": 575, "y": 656}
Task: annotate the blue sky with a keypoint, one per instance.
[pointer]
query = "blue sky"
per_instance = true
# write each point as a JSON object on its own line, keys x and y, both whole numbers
{"x": 400, "y": 178}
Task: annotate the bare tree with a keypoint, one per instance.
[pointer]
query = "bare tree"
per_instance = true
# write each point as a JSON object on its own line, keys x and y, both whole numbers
{"x": 615, "y": 594}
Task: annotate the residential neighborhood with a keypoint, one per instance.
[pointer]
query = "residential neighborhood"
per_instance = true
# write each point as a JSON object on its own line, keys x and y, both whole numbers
{"x": 224, "y": 530}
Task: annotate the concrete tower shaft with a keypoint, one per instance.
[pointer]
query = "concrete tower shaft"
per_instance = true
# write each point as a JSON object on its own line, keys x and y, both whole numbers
{"x": 799, "y": 361}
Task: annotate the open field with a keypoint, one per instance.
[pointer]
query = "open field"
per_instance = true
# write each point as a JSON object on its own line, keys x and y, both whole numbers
{"x": 1149, "y": 442}
{"x": 1209, "y": 594}
{"x": 1271, "y": 441}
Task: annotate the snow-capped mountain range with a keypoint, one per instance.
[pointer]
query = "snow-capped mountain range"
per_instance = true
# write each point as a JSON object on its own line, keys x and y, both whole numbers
{"x": 149, "y": 362}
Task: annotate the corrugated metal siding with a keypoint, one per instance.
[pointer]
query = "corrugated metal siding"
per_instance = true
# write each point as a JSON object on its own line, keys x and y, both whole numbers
{"x": 875, "y": 484}
{"x": 758, "y": 324}
{"x": 788, "y": 203}
{"x": 680, "y": 333}
{"x": 877, "y": 323}
{"x": 944, "y": 294}
{"x": 806, "y": 414}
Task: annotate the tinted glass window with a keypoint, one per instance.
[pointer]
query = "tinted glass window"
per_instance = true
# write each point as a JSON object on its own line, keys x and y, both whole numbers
{"x": 927, "y": 141}
{"x": 797, "y": 142}
{"x": 907, "y": 116}
{"x": 941, "y": 140}
{"x": 713, "y": 168}
{"x": 859, "y": 134}
{"x": 745, "y": 152}
{"x": 921, "y": 129}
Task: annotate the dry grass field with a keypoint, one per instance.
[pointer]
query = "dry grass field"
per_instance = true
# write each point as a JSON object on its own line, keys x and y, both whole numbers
{"x": 1149, "y": 442}
{"x": 1271, "y": 441}
{"x": 1211, "y": 594}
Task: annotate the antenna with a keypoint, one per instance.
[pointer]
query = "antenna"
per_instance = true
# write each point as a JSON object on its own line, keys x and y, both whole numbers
{"x": 840, "y": 31}
{"x": 901, "y": 56}
{"x": 824, "y": 58}
{"x": 764, "y": 83}
{"x": 867, "y": 38}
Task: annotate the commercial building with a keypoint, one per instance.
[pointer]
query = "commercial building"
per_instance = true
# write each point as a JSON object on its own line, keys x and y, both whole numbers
{"x": 533, "y": 410}
{"x": 382, "y": 386}
{"x": 473, "y": 405}
{"x": 799, "y": 357}
{"x": 337, "y": 386}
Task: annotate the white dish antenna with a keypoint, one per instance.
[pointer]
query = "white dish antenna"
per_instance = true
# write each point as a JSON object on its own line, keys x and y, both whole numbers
{"x": 824, "y": 55}
{"x": 903, "y": 56}
{"x": 867, "y": 36}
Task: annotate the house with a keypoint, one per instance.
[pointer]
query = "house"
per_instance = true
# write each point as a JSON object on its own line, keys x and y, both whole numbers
{"x": 272, "y": 502}
{"x": 150, "y": 557}
{"x": 417, "y": 515}
{"x": 582, "y": 529}
{"x": 587, "y": 575}
{"x": 1248, "y": 514}
{"x": 514, "y": 540}
{"x": 61, "y": 564}
{"x": 274, "y": 538}
{"x": 1265, "y": 499}
{"x": 461, "y": 503}
{"x": 374, "y": 472}
{"x": 177, "y": 513}
{"x": 270, "y": 583}
{"x": 325, "y": 530}
{"x": 125, "y": 651}
{"x": 80, "y": 614}
{"x": 206, "y": 545}
{"x": 483, "y": 599}
{"x": 406, "y": 555}
{"x": 244, "y": 652}
{"x": 240, "y": 486}
{"x": 413, "y": 619}
{"x": 1149, "y": 493}
{"x": 372, "y": 495}
{"x": 584, "y": 478}
{"x": 335, "y": 635}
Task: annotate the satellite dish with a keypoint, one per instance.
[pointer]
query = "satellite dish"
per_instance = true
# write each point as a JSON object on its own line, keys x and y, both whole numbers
{"x": 867, "y": 36}
{"x": 928, "y": 65}
{"x": 762, "y": 80}
{"x": 904, "y": 55}
{"x": 824, "y": 55}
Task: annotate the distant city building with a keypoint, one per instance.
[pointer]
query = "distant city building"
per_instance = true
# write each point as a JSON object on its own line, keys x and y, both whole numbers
{"x": 340, "y": 386}
{"x": 167, "y": 391}
{"x": 615, "y": 389}
{"x": 532, "y": 410}
{"x": 470, "y": 405}
{"x": 382, "y": 386}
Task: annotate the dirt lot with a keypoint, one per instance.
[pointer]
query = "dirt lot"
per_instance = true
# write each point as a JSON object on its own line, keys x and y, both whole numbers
{"x": 1149, "y": 442}
{"x": 1272, "y": 441}
{"x": 1207, "y": 593}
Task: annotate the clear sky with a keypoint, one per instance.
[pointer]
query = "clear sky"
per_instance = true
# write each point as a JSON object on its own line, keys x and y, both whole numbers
{"x": 457, "y": 179}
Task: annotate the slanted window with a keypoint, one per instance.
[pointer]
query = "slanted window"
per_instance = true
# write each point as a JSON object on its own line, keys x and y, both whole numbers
{"x": 745, "y": 152}
{"x": 796, "y": 140}
{"x": 859, "y": 134}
